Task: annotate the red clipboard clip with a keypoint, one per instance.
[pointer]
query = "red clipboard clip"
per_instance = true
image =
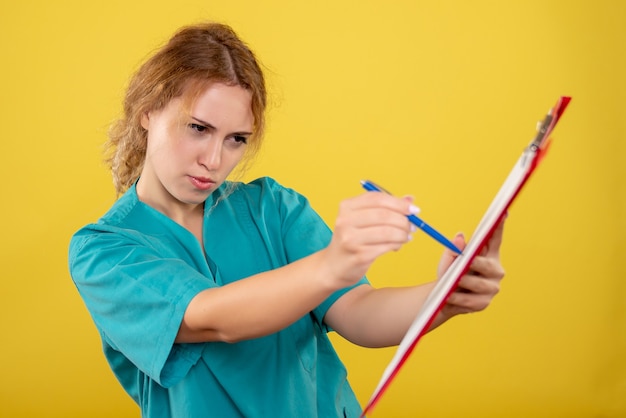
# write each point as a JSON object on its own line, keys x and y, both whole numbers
{"x": 541, "y": 142}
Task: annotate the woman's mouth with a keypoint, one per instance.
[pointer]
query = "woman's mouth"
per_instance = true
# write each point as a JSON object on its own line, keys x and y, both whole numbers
{"x": 201, "y": 183}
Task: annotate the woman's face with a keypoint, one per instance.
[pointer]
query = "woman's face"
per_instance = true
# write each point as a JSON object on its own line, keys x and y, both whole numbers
{"x": 190, "y": 154}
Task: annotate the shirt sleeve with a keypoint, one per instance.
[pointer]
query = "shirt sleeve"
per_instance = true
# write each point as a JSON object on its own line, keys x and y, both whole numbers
{"x": 137, "y": 298}
{"x": 304, "y": 232}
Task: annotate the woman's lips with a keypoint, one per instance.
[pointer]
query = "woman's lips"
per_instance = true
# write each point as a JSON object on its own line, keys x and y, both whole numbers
{"x": 201, "y": 183}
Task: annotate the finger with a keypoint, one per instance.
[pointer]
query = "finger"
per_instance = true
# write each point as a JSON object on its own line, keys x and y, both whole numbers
{"x": 488, "y": 267}
{"x": 468, "y": 302}
{"x": 383, "y": 200}
{"x": 459, "y": 241}
{"x": 367, "y": 217}
{"x": 449, "y": 256}
{"x": 479, "y": 285}
{"x": 351, "y": 238}
{"x": 492, "y": 249}
{"x": 381, "y": 235}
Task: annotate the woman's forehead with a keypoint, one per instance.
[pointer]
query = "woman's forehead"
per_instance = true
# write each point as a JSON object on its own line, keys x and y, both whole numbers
{"x": 194, "y": 88}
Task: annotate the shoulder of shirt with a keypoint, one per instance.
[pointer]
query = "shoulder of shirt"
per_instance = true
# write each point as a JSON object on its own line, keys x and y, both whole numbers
{"x": 120, "y": 210}
{"x": 262, "y": 185}
{"x": 265, "y": 191}
{"x": 110, "y": 229}
{"x": 113, "y": 219}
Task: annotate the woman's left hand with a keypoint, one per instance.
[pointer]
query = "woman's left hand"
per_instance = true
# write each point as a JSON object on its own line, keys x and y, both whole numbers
{"x": 477, "y": 288}
{"x": 381, "y": 317}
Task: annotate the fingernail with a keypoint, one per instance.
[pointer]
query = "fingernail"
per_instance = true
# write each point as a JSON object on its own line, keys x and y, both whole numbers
{"x": 414, "y": 209}
{"x": 413, "y": 228}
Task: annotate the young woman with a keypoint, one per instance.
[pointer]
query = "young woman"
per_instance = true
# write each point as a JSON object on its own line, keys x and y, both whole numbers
{"x": 213, "y": 298}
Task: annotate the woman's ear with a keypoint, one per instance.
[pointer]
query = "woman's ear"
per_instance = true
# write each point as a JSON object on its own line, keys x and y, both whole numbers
{"x": 145, "y": 120}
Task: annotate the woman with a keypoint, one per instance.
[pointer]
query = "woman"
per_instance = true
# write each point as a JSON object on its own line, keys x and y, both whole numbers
{"x": 214, "y": 298}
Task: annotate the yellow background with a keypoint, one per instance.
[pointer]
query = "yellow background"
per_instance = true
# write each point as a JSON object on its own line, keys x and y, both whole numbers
{"x": 434, "y": 99}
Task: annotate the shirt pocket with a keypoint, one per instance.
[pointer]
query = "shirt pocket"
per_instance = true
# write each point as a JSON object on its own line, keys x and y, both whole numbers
{"x": 305, "y": 337}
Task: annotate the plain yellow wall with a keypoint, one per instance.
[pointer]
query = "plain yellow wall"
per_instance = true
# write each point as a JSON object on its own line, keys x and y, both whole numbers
{"x": 434, "y": 99}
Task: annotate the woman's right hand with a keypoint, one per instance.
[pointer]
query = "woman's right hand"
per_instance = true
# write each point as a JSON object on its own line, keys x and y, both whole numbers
{"x": 367, "y": 226}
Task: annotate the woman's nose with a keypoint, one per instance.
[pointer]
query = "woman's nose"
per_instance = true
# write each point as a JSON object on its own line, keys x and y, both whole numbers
{"x": 211, "y": 156}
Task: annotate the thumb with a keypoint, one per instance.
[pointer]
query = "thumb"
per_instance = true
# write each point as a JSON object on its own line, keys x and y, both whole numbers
{"x": 449, "y": 256}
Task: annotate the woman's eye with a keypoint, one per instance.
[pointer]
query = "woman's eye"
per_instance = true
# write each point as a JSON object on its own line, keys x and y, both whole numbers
{"x": 240, "y": 139}
{"x": 198, "y": 128}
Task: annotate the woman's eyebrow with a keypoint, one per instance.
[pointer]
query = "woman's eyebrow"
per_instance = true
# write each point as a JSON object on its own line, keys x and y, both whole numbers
{"x": 207, "y": 124}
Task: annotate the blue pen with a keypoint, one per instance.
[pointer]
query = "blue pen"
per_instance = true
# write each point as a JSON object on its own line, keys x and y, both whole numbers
{"x": 373, "y": 187}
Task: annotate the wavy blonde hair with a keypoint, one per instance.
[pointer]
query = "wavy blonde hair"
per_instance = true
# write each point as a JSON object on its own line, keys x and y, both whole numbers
{"x": 195, "y": 57}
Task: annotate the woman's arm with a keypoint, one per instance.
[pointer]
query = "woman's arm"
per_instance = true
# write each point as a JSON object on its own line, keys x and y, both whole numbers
{"x": 367, "y": 226}
{"x": 380, "y": 317}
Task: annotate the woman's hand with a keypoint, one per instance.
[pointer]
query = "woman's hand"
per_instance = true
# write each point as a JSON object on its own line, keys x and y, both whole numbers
{"x": 381, "y": 317}
{"x": 367, "y": 226}
{"x": 477, "y": 288}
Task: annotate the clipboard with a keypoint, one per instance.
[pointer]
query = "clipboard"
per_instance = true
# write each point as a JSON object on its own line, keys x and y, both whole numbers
{"x": 517, "y": 178}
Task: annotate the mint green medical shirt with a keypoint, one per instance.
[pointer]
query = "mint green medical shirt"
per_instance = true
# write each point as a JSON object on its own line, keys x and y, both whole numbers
{"x": 137, "y": 270}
